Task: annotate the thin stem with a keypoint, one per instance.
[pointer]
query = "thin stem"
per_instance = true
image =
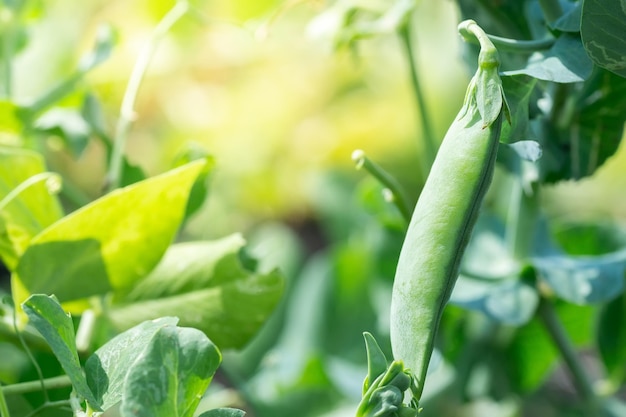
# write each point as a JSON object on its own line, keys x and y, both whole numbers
{"x": 39, "y": 383}
{"x": 398, "y": 199}
{"x": 7, "y": 60}
{"x": 4, "y": 408}
{"x": 62, "y": 381}
{"x": 516, "y": 45}
{"x": 430, "y": 146}
{"x": 127, "y": 111}
{"x": 556, "y": 331}
{"x": 551, "y": 9}
{"x": 51, "y": 179}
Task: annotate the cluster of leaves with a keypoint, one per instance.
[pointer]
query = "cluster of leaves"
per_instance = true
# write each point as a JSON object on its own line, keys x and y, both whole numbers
{"x": 113, "y": 261}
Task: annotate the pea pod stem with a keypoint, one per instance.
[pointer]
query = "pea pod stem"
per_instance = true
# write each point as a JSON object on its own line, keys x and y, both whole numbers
{"x": 362, "y": 161}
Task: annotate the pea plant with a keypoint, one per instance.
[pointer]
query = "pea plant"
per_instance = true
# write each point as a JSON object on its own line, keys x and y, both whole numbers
{"x": 553, "y": 75}
{"x": 467, "y": 303}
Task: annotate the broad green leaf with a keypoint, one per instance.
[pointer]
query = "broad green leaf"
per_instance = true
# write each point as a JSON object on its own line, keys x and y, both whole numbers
{"x": 602, "y": 29}
{"x": 31, "y": 211}
{"x": 207, "y": 287}
{"x": 171, "y": 374}
{"x": 107, "y": 369}
{"x": 115, "y": 241}
{"x": 532, "y": 353}
{"x": 612, "y": 338}
{"x": 223, "y": 412}
{"x": 510, "y": 302}
{"x": 47, "y": 316}
{"x": 565, "y": 62}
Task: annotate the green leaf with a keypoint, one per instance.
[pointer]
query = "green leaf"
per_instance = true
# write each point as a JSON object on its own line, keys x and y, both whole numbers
{"x": 31, "y": 211}
{"x": 107, "y": 369}
{"x": 206, "y": 285}
{"x": 105, "y": 40}
{"x": 223, "y": 412}
{"x": 115, "y": 241}
{"x": 531, "y": 354}
{"x": 518, "y": 89}
{"x": 565, "y": 62}
{"x": 592, "y": 135}
{"x": 376, "y": 361}
{"x": 583, "y": 280}
{"x": 47, "y": 316}
{"x": 200, "y": 189}
{"x": 570, "y": 20}
{"x": 602, "y": 28}
{"x": 510, "y": 302}
{"x": 612, "y": 338}
{"x": 9, "y": 117}
{"x": 68, "y": 125}
{"x": 171, "y": 374}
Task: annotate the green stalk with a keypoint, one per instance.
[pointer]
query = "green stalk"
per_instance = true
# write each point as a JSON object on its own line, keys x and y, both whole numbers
{"x": 127, "y": 111}
{"x": 388, "y": 181}
{"x": 581, "y": 380}
{"x": 56, "y": 382}
{"x": 516, "y": 45}
{"x": 430, "y": 146}
{"x": 4, "y": 408}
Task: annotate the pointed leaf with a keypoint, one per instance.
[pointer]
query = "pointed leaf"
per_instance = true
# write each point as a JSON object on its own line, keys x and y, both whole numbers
{"x": 47, "y": 316}
{"x": 602, "y": 29}
{"x": 171, "y": 374}
{"x": 115, "y": 241}
{"x": 31, "y": 211}
{"x": 68, "y": 125}
{"x": 107, "y": 368}
{"x": 376, "y": 360}
{"x": 206, "y": 285}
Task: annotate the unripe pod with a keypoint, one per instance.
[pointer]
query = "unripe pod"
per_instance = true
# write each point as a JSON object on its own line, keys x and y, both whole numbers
{"x": 443, "y": 218}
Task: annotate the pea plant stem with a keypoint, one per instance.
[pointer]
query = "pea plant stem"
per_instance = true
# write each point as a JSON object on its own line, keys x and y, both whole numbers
{"x": 127, "y": 111}
{"x": 428, "y": 135}
{"x": 555, "y": 329}
{"x": 387, "y": 180}
{"x": 4, "y": 408}
{"x": 56, "y": 382}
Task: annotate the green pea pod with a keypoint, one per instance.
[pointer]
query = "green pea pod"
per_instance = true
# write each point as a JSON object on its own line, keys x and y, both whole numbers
{"x": 445, "y": 214}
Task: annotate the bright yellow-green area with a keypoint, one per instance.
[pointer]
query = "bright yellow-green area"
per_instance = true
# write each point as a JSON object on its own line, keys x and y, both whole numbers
{"x": 276, "y": 106}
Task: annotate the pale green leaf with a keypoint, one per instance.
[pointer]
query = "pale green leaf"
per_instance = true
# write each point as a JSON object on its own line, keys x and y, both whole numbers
{"x": 31, "y": 211}
{"x": 47, "y": 316}
{"x": 207, "y": 287}
{"x": 114, "y": 241}
{"x": 108, "y": 367}
{"x": 171, "y": 374}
